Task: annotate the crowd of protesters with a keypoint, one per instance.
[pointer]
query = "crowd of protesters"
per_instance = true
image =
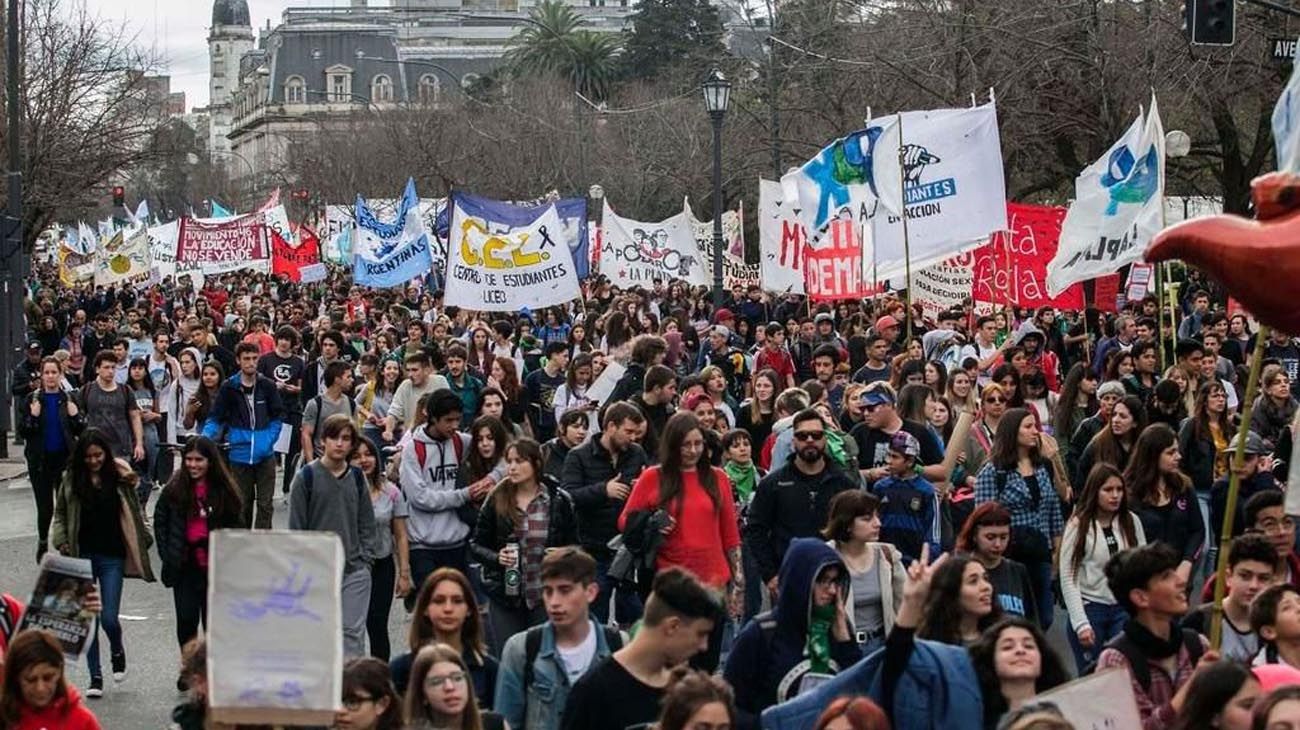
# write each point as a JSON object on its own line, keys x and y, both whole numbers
{"x": 773, "y": 496}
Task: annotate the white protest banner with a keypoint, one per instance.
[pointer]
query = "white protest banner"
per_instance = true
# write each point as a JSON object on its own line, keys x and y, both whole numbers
{"x": 1101, "y": 701}
{"x": 275, "y": 627}
{"x": 162, "y": 247}
{"x": 1139, "y": 281}
{"x": 120, "y": 260}
{"x": 781, "y": 240}
{"x": 312, "y": 273}
{"x": 74, "y": 267}
{"x": 1116, "y": 209}
{"x": 218, "y": 246}
{"x": 499, "y": 269}
{"x": 734, "y": 269}
{"x": 636, "y": 254}
{"x": 944, "y": 286}
{"x": 336, "y": 238}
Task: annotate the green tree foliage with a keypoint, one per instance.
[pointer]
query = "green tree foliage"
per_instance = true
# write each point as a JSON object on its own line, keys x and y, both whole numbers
{"x": 667, "y": 33}
{"x": 554, "y": 43}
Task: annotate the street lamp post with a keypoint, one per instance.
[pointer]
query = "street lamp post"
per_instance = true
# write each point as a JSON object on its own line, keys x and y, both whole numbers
{"x": 717, "y": 92}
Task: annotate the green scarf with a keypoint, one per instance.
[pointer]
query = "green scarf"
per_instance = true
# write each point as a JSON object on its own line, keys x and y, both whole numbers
{"x": 818, "y": 648}
{"x": 743, "y": 479}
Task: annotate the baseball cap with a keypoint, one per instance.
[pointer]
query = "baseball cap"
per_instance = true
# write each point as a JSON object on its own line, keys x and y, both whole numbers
{"x": 886, "y": 322}
{"x": 824, "y": 317}
{"x": 1254, "y": 445}
{"x": 718, "y": 329}
{"x": 33, "y": 345}
{"x": 905, "y": 443}
{"x": 877, "y": 396}
{"x": 723, "y": 315}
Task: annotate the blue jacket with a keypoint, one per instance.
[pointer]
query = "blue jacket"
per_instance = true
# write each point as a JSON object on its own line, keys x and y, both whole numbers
{"x": 251, "y": 435}
{"x": 540, "y": 705}
{"x": 937, "y": 691}
{"x": 909, "y": 515}
{"x": 767, "y": 662}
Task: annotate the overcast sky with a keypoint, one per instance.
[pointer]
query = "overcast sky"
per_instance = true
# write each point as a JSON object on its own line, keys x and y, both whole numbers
{"x": 178, "y": 29}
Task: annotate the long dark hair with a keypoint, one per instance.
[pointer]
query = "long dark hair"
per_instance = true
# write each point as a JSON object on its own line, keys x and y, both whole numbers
{"x": 1201, "y": 412}
{"x": 1051, "y": 671}
{"x": 146, "y": 383}
{"x": 941, "y": 617}
{"x": 1063, "y": 419}
{"x": 471, "y": 632}
{"x": 369, "y": 677}
{"x": 1107, "y": 447}
{"x": 1087, "y": 510}
{"x": 503, "y": 496}
{"x": 1143, "y": 473}
{"x": 476, "y": 466}
{"x": 1006, "y": 441}
{"x": 1209, "y": 693}
{"x": 223, "y": 498}
{"x": 109, "y": 476}
{"x": 376, "y": 476}
{"x": 679, "y": 425}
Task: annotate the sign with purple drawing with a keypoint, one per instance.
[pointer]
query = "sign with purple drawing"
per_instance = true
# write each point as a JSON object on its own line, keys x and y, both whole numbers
{"x": 275, "y": 627}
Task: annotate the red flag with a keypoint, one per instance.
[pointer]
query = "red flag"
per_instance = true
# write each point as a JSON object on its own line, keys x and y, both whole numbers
{"x": 1106, "y": 293}
{"x": 1012, "y": 266}
{"x": 287, "y": 260}
{"x": 834, "y": 271}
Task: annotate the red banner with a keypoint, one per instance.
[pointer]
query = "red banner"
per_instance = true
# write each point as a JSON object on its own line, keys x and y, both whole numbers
{"x": 1012, "y": 266}
{"x": 287, "y": 260}
{"x": 835, "y": 270}
{"x": 1105, "y": 292}
{"x": 225, "y": 245}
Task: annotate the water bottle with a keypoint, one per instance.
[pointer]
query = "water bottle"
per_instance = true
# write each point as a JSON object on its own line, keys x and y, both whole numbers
{"x": 513, "y": 578}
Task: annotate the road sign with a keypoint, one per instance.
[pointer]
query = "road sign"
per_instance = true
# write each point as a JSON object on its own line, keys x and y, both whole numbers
{"x": 1283, "y": 49}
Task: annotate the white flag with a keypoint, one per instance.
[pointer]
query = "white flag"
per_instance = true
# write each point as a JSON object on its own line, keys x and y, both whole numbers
{"x": 504, "y": 269}
{"x": 1117, "y": 207}
{"x": 633, "y": 253}
{"x": 781, "y": 240}
{"x": 1286, "y": 124}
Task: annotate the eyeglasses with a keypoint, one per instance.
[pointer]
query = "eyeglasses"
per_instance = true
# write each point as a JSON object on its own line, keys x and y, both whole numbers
{"x": 828, "y": 579}
{"x": 438, "y": 680}
{"x": 995, "y": 400}
{"x": 352, "y": 704}
{"x": 810, "y": 435}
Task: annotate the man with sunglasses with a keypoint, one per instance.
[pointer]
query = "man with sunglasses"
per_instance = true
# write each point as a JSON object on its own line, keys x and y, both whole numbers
{"x": 879, "y": 424}
{"x": 794, "y": 499}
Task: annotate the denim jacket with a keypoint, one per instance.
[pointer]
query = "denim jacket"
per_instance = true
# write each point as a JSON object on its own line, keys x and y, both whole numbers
{"x": 540, "y": 705}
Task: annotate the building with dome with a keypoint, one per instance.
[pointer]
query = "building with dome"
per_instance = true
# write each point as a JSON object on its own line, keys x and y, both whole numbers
{"x": 230, "y": 37}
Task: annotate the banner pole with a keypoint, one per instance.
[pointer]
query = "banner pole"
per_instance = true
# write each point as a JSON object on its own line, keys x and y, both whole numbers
{"x": 907, "y": 249}
{"x": 1160, "y": 315}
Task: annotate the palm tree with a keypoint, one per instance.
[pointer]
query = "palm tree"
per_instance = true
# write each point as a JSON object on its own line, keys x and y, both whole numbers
{"x": 554, "y": 43}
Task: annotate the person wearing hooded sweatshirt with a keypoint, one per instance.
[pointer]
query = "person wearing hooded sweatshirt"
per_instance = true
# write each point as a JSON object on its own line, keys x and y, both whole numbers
{"x": 1040, "y": 358}
{"x": 249, "y": 411}
{"x": 803, "y": 640}
{"x": 36, "y": 693}
{"x": 427, "y": 470}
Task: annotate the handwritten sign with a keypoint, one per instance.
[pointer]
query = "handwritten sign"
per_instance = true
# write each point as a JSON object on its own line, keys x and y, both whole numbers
{"x": 275, "y": 627}
{"x": 218, "y": 246}
{"x": 1078, "y": 700}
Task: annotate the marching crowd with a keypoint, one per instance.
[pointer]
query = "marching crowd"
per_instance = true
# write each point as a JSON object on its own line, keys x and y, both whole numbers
{"x": 644, "y": 509}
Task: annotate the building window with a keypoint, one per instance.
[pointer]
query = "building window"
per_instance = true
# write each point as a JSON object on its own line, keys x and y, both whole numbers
{"x": 381, "y": 89}
{"x": 338, "y": 83}
{"x": 430, "y": 88}
{"x": 295, "y": 91}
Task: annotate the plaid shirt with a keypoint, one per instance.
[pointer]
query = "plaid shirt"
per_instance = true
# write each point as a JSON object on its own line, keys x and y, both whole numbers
{"x": 1017, "y": 499}
{"x": 532, "y": 535}
{"x": 1153, "y": 702}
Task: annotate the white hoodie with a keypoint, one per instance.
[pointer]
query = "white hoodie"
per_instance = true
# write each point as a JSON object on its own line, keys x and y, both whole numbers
{"x": 430, "y": 489}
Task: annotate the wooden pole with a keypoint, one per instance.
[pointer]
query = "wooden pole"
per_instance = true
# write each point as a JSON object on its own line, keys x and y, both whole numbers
{"x": 1234, "y": 483}
{"x": 907, "y": 250}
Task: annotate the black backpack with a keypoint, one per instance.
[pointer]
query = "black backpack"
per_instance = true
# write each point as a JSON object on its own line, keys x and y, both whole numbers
{"x": 1137, "y": 661}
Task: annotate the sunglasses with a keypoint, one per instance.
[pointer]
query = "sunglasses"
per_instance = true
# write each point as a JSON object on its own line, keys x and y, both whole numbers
{"x": 810, "y": 435}
{"x": 995, "y": 400}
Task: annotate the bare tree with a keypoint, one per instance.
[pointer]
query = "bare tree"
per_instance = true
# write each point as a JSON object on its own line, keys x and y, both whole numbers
{"x": 85, "y": 110}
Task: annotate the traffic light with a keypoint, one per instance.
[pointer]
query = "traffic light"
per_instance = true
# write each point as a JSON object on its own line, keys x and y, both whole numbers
{"x": 119, "y": 195}
{"x": 1210, "y": 22}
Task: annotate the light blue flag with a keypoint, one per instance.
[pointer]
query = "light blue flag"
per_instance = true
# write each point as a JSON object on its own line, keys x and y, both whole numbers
{"x": 219, "y": 210}
{"x": 1286, "y": 124}
{"x": 387, "y": 255}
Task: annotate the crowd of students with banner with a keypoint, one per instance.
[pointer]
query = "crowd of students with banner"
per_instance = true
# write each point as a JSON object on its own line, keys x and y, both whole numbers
{"x": 860, "y": 515}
